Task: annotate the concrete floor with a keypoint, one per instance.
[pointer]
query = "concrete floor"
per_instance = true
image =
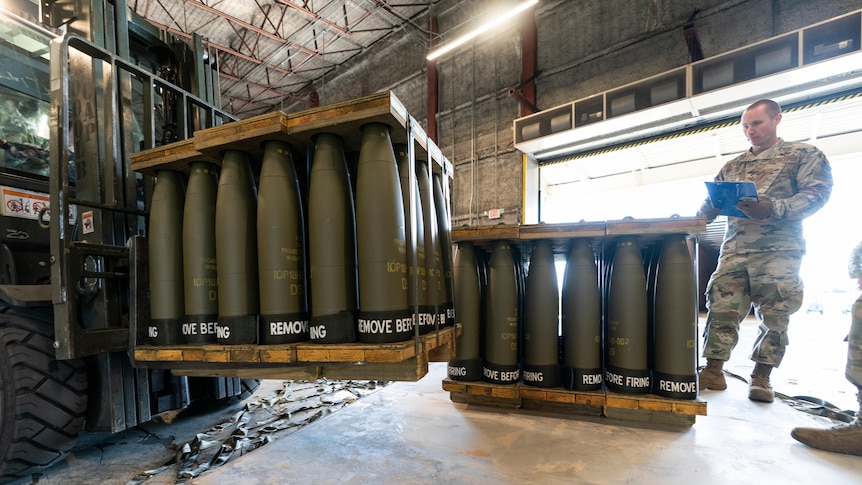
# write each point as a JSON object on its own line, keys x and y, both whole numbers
{"x": 412, "y": 433}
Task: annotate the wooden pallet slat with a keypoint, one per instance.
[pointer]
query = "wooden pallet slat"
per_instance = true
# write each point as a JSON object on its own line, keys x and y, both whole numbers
{"x": 536, "y": 393}
{"x": 599, "y": 229}
{"x": 175, "y": 156}
{"x": 499, "y": 397}
{"x": 411, "y": 369}
{"x": 400, "y": 360}
{"x": 591, "y": 399}
{"x": 659, "y": 226}
{"x": 192, "y": 353}
{"x": 620, "y": 402}
{"x": 643, "y": 408}
{"x": 249, "y": 135}
{"x": 695, "y": 408}
{"x": 246, "y": 135}
{"x": 302, "y": 352}
{"x": 216, "y": 355}
{"x": 568, "y": 230}
{"x": 245, "y": 355}
{"x": 277, "y": 355}
{"x": 347, "y": 118}
{"x": 486, "y": 233}
{"x": 156, "y": 354}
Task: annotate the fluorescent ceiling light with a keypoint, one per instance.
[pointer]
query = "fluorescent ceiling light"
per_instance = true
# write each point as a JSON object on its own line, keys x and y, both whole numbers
{"x": 490, "y": 24}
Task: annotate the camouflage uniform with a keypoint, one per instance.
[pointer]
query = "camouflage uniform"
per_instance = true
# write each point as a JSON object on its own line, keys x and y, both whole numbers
{"x": 854, "y": 341}
{"x": 760, "y": 259}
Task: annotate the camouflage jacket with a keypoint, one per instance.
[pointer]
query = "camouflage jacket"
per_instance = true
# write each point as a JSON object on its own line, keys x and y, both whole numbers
{"x": 854, "y": 268}
{"x": 797, "y": 177}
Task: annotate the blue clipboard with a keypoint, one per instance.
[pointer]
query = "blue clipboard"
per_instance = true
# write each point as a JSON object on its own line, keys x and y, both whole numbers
{"x": 725, "y": 196}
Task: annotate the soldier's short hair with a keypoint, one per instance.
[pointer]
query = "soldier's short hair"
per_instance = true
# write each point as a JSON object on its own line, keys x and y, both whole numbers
{"x": 773, "y": 108}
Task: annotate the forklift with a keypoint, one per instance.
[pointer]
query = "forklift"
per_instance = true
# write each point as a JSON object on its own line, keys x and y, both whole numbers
{"x": 83, "y": 85}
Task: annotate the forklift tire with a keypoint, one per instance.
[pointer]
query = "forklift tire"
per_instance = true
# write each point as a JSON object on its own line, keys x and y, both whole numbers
{"x": 248, "y": 388}
{"x": 42, "y": 400}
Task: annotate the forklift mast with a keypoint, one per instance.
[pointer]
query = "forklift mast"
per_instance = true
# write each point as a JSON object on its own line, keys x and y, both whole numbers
{"x": 117, "y": 86}
{"x": 107, "y": 103}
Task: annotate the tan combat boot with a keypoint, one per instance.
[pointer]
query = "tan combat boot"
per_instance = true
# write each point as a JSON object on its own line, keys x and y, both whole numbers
{"x": 844, "y": 438}
{"x": 760, "y": 389}
{"x": 711, "y": 376}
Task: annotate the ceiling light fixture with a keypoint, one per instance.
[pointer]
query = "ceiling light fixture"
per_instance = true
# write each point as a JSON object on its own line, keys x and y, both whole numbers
{"x": 490, "y": 24}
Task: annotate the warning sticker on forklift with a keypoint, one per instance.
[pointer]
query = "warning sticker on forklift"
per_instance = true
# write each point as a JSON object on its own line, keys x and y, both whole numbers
{"x": 27, "y": 204}
{"x": 87, "y": 222}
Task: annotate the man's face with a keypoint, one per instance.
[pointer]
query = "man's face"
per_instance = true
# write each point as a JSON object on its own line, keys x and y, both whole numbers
{"x": 759, "y": 127}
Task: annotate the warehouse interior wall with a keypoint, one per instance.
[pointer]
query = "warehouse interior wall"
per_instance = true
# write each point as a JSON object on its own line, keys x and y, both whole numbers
{"x": 584, "y": 47}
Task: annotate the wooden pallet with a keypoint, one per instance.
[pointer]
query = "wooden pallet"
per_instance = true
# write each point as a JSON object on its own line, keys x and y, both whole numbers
{"x": 400, "y": 361}
{"x": 647, "y": 228}
{"x": 298, "y": 129}
{"x": 642, "y": 408}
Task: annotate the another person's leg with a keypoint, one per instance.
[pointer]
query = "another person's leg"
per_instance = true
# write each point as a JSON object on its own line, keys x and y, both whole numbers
{"x": 844, "y": 438}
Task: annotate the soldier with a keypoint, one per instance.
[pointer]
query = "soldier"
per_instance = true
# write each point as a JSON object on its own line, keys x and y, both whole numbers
{"x": 761, "y": 253}
{"x": 845, "y": 438}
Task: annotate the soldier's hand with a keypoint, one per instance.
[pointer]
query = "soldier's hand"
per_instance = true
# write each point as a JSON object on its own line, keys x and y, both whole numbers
{"x": 756, "y": 209}
{"x": 709, "y": 212}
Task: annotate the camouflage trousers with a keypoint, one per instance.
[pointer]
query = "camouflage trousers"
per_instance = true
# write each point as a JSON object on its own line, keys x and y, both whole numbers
{"x": 854, "y": 347}
{"x": 770, "y": 282}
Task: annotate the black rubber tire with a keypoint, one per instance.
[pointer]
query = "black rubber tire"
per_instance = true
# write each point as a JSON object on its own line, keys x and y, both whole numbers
{"x": 248, "y": 388}
{"x": 43, "y": 401}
